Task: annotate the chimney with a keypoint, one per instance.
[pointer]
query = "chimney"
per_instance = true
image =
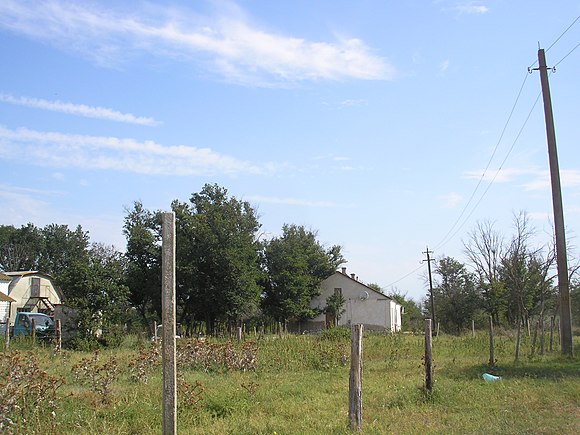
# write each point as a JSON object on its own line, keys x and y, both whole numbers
{"x": 344, "y": 270}
{"x": 352, "y": 276}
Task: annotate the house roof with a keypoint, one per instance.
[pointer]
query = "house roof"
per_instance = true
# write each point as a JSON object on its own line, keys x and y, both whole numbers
{"x": 6, "y": 298}
{"x": 363, "y": 284}
{"x": 22, "y": 273}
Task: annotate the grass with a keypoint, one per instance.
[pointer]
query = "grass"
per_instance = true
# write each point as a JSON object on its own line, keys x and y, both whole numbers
{"x": 300, "y": 386}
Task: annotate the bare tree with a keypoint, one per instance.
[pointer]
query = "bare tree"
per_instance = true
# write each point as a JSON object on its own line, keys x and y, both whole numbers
{"x": 485, "y": 247}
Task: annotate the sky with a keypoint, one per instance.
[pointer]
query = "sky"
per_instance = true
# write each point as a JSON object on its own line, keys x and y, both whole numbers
{"x": 386, "y": 126}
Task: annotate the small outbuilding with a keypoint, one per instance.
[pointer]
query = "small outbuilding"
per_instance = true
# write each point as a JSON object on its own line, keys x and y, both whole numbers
{"x": 362, "y": 305}
{"x": 32, "y": 291}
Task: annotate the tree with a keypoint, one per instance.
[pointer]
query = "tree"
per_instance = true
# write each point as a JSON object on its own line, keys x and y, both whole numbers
{"x": 20, "y": 248}
{"x": 485, "y": 248}
{"x": 104, "y": 299}
{"x": 525, "y": 273}
{"x": 143, "y": 275}
{"x": 412, "y": 317}
{"x": 455, "y": 295}
{"x": 295, "y": 264}
{"x": 217, "y": 257}
{"x": 335, "y": 306}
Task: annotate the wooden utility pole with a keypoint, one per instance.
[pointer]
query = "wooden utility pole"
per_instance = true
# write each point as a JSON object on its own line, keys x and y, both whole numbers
{"x": 429, "y": 260}
{"x": 428, "y": 357}
{"x": 355, "y": 379}
{"x": 168, "y": 319}
{"x": 562, "y": 261}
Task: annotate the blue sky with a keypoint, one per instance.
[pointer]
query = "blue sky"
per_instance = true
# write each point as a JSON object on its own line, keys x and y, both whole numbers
{"x": 371, "y": 122}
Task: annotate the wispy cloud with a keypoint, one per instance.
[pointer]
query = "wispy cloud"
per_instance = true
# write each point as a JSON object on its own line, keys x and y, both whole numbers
{"x": 110, "y": 153}
{"x": 228, "y": 43}
{"x": 541, "y": 181}
{"x": 450, "y": 200}
{"x": 78, "y": 110}
{"x": 444, "y": 66}
{"x": 296, "y": 202}
{"x": 531, "y": 178}
{"x": 471, "y": 8}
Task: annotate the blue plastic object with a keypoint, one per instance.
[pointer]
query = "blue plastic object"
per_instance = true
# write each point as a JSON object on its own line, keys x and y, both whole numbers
{"x": 490, "y": 378}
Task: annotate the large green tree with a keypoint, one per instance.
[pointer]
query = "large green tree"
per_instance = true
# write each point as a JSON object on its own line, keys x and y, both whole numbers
{"x": 142, "y": 230}
{"x": 217, "y": 257}
{"x": 456, "y": 299}
{"x": 20, "y": 248}
{"x": 295, "y": 264}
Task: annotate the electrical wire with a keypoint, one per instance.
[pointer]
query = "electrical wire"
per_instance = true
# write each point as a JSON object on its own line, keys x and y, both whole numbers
{"x": 557, "y": 39}
{"x": 444, "y": 240}
{"x": 569, "y": 53}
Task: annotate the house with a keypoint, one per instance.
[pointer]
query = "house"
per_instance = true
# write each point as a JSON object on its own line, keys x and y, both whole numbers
{"x": 32, "y": 291}
{"x": 5, "y": 301}
{"x": 363, "y": 305}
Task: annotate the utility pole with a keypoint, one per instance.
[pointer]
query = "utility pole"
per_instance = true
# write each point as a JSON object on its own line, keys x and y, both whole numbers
{"x": 562, "y": 262}
{"x": 429, "y": 260}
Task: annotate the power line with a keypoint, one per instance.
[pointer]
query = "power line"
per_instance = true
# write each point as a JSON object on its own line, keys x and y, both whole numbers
{"x": 558, "y": 38}
{"x": 444, "y": 239}
{"x": 569, "y": 53}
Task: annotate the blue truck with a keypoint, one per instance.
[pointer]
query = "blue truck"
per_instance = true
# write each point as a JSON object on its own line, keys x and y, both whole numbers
{"x": 23, "y": 325}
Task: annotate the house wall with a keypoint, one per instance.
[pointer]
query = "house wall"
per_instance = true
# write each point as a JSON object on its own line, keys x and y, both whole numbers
{"x": 20, "y": 290}
{"x": 4, "y": 306}
{"x": 362, "y": 305}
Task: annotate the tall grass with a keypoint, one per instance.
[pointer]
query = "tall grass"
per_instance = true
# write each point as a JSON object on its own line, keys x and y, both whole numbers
{"x": 299, "y": 385}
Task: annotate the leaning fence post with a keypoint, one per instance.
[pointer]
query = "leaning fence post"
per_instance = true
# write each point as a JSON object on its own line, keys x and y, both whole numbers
{"x": 428, "y": 356}
{"x": 355, "y": 379}
{"x": 168, "y": 320}
{"x": 491, "y": 355}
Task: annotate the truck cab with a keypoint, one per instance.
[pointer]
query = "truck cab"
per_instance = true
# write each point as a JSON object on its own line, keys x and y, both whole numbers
{"x": 23, "y": 324}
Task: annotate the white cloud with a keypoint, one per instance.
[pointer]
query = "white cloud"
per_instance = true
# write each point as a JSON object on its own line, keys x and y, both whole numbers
{"x": 471, "y": 8}
{"x": 98, "y": 152}
{"x": 296, "y": 202}
{"x": 78, "y": 110}
{"x": 22, "y": 205}
{"x": 444, "y": 66}
{"x": 451, "y": 199}
{"x": 542, "y": 181}
{"x": 227, "y": 44}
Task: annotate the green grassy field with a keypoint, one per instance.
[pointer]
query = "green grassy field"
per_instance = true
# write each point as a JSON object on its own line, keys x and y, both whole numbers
{"x": 299, "y": 385}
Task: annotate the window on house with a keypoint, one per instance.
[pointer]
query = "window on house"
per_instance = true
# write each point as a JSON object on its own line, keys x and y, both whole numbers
{"x": 338, "y": 291}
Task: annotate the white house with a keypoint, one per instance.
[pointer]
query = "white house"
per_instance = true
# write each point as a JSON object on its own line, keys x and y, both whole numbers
{"x": 32, "y": 291}
{"x": 5, "y": 301}
{"x": 363, "y": 305}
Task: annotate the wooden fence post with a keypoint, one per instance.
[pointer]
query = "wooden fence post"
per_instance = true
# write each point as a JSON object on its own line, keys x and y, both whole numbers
{"x": 355, "y": 379}
{"x": 58, "y": 331}
{"x": 491, "y": 355}
{"x": 428, "y": 356}
{"x": 7, "y": 332}
{"x": 239, "y": 334}
{"x": 473, "y": 328}
{"x": 168, "y": 320}
{"x": 33, "y": 332}
{"x": 518, "y": 340}
{"x": 552, "y": 321}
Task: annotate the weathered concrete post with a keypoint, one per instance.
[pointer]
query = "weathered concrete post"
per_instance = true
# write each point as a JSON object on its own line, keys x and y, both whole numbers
{"x": 428, "y": 356}
{"x": 355, "y": 380}
{"x": 168, "y": 319}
